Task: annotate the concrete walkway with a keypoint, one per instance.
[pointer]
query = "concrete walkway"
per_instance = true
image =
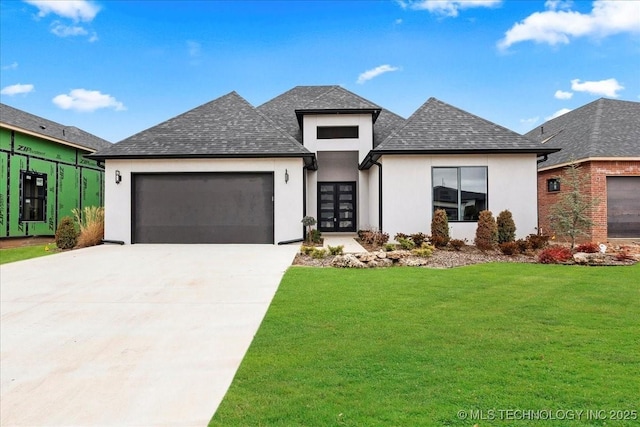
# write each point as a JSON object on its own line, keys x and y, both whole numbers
{"x": 345, "y": 239}
{"x": 142, "y": 335}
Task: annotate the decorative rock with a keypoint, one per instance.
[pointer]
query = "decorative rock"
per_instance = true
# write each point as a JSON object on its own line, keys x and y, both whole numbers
{"x": 366, "y": 257}
{"x": 347, "y": 261}
{"x": 381, "y": 254}
{"x": 382, "y": 262}
{"x": 413, "y": 262}
{"x": 587, "y": 258}
{"x": 395, "y": 255}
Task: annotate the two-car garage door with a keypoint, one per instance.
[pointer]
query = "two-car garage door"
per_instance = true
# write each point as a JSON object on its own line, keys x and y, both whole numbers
{"x": 203, "y": 208}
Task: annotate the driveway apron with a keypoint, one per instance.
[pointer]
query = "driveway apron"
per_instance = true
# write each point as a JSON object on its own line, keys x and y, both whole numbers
{"x": 136, "y": 335}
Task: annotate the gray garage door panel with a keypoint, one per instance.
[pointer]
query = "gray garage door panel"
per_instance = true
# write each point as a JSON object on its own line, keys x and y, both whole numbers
{"x": 203, "y": 208}
{"x": 623, "y": 206}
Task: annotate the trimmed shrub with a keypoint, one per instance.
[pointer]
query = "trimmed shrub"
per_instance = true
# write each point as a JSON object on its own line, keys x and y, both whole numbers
{"x": 457, "y": 244}
{"x": 523, "y": 245}
{"x": 537, "y": 241}
{"x": 373, "y": 237}
{"x": 509, "y": 248}
{"x": 66, "y": 234}
{"x": 440, "y": 228}
{"x": 315, "y": 236}
{"x": 306, "y": 249}
{"x": 487, "y": 231}
{"x": 590, "y": 248}
{"x": 335, "y": 250}
{"x": 388, "y": 247}
{"x": 555, "y": 254}
{"x": 406, "y": 244}
{"x": 318, "y": 253}
{"x": 399, "y": 236}
{"x": 424, "y": 251}
{"x": 506, "y": 227}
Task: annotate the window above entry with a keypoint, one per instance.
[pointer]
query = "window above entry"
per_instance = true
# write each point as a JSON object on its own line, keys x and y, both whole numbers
{"x": 337, "y": 132}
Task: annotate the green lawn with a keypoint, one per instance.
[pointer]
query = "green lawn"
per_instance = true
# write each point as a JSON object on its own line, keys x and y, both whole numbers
{"x": 26, "y": 252}
{"x": 413, "y": 347}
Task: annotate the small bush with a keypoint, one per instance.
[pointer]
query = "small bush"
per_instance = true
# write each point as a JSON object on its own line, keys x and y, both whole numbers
{"x": 424, "y": 251}
{"x": 373, "y": 237}
{"x": 590, "y": 248}
{"x": 506, "y": 227}
{"x": 406, "y": 244}
{"x": 555, "y": 254}
{"x": 389, "y": 247}
{"x": 440, "y": 228}
{"x": 509, "y": 248}
{"x": 318, "y": 253}
{"x": 66, "y": 234}
{"x": 336, "y": 250}
{"x": 523, "y": 245}
{"x": 419, "y": 239}
{"x": 315, "y": 236}
{"x": 537, "y": 241}
{"x": 399, "y": 236}
{"x": 487, "y": 231}
{"x": 457, "y": 244}
{"x": 305, "y": 249}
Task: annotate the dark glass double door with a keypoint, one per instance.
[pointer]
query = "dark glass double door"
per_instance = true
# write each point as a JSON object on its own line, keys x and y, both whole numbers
{"x": 337, "y": 206}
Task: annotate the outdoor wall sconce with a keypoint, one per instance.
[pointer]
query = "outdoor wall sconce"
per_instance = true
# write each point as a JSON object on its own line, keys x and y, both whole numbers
{"x": 286, "y": 176}
{"x": 118, "y": 177}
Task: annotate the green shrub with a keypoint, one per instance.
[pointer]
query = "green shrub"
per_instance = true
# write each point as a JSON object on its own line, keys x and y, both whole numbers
{"x": 506, "y": 227}
{"x": 440, "y": 228}
{"x": 336, "y": 250}
{"x": 457, "y": 244}
{"x": 305, "y": 249}
{"x": 509, "y": 248}
{"x": 66, "y": 234}
{"x": 487, "y": 231}
{"x": 318, "y": 253}
{"x": 399, "y": 236}
{"x": 406, "y": 244}
{"x": 315, "y": 236}
{"x": 389, "y": 247}
{"x": 424, "y": 251}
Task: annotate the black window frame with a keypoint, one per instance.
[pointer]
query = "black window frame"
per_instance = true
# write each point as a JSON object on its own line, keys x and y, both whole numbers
{"x": 459, "y": 209}
{"x": 553, "y": 185}
{"x": 338, "y": 132}
{"x": 30, "y": 196}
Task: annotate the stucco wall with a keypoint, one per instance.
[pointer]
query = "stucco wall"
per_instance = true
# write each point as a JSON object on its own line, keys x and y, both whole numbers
{"x": 287, "y": 196}
{"x": 407, "y": 191}
{"x": 597, "y": 186}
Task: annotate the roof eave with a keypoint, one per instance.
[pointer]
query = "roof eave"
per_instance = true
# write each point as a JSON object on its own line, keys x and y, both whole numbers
{"x": 375, "y": 112}
{"x": 98, "y": 156}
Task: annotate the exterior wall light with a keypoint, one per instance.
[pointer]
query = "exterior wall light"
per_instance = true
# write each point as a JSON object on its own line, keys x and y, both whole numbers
{"x": 118, "y": 177}
{"x": 286, "y": 176}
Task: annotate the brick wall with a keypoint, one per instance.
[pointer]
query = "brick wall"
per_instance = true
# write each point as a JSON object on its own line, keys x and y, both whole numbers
{"x": 599, "y": 170}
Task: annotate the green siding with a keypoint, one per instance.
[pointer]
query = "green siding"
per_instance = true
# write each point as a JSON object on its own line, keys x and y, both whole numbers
{"x": 4, "y": 164}
{"x": 69, "y": 185}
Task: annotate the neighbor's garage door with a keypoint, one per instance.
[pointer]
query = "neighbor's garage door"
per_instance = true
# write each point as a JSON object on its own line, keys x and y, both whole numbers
{"x": 203, "y": 208}
{"x": 623, "y": 206}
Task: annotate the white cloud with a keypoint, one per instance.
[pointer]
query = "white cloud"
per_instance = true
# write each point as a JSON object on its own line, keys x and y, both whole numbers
{"x": 398, "y": 21}
{"x": 558, "y": 24}
{"x": 194, "y": 48}
{"x": 13, "y": 66}
{"x": 87, "y": 100}
{"x": 446, "y": 7}
{"x": 609, "y": 87}
{"x": 563, "y": 95}
{"x": 557, "y": 114}
{"x": 62, "y": 30}
{"x": 530, "y": 121}
{"x": 94, "y": 37}
{"x": 375, "y": 72}
{"x": 78, "y": 10}
{"x": 16, "y": 89}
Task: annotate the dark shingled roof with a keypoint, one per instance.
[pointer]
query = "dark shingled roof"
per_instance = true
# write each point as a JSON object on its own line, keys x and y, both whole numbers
{"x": 603, "y": 128}
{"x": 282, "y": 109}
{"x": 225, "y": 127}
{"x": 49, "y": 129}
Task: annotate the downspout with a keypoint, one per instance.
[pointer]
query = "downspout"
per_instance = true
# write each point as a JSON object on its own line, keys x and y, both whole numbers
{"x": 379, "y": 195}
{"x": 544, "y": 159}
{"x": 304, "y": 198}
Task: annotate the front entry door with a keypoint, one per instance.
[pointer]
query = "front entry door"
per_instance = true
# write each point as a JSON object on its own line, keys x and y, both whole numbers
{"x": 337, "y": 206}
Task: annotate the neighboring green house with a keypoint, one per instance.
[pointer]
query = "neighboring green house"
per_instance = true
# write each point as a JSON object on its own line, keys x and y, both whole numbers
{"x": 44, "y": 173}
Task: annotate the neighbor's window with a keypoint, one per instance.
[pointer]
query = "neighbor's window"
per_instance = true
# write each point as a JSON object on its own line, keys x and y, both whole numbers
{"x": 553, "y": 185}
{"x": 336, "y": 132}
{"x": 33, "y": 197}
{"x": 460, "y": 191}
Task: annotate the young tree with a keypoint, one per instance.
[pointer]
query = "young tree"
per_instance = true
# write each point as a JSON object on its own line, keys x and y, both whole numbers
{"x": 486, "y": 231}
{"x": 570, "y": 214}
{"x": 440, "y": 228}
{"x": 506, "y": 227}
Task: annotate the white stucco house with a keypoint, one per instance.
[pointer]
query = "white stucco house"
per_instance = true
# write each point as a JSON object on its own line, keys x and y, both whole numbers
{"x": 228, "y": 172}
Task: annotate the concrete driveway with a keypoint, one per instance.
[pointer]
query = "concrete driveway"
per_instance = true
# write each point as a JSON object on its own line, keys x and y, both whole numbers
{"x": 139, "y": 335}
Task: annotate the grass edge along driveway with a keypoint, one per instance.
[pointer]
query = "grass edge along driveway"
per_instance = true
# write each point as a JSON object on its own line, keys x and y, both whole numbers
{"x": 487, "y": 344}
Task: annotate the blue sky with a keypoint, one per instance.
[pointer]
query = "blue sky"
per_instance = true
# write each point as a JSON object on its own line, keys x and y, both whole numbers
{"x": 115, "y": 68}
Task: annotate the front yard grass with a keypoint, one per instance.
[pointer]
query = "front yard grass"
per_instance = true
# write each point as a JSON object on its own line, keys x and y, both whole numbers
{"x": 26, "y": 252}
{"x": 425, "y": 347}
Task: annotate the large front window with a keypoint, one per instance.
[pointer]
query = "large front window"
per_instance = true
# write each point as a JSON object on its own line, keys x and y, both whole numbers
{"x": 460, "y": 191}
{"x": 33, "y": 196}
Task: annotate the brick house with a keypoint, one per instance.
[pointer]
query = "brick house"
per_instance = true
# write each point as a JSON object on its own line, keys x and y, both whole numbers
{"x": 603, "y": 137}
